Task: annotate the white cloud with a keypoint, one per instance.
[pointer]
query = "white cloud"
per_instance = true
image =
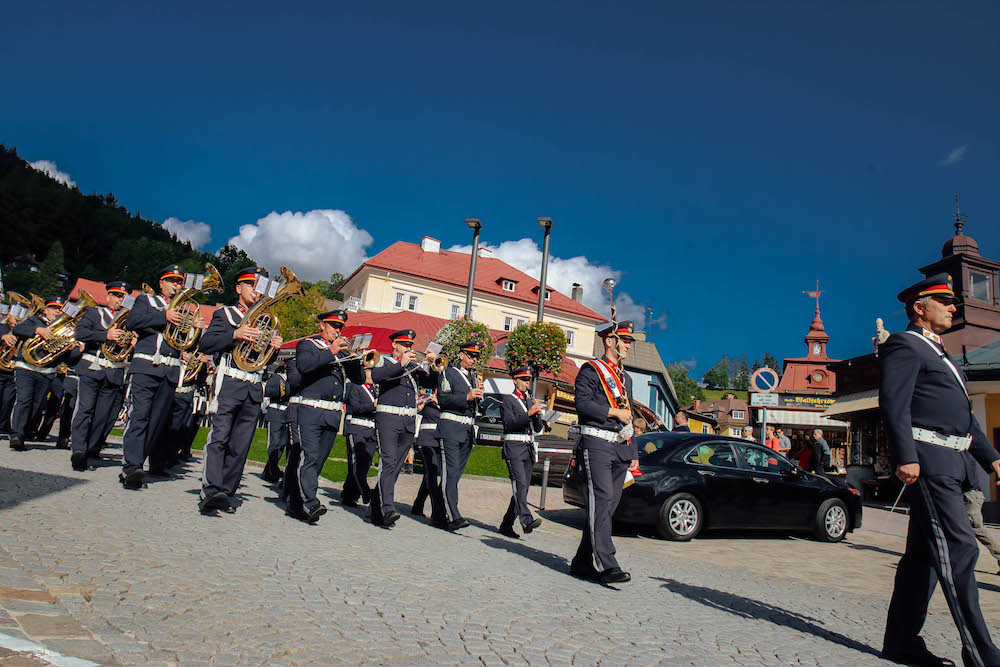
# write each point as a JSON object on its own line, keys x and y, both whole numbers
{"x": 955, "y": 156}
{"x": 314, "y": 244}
{"x": 198, "y": 233}
{"x": 50, "y": 169}
{"x": 562, "y": 273}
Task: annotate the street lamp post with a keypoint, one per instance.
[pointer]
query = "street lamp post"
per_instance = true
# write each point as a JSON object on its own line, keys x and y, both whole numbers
{"x": 546, "y": 224}
{"x": 475, "y": 224}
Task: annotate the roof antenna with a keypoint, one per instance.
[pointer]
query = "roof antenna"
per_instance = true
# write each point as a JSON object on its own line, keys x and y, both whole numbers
{"x": 959, "y": 218}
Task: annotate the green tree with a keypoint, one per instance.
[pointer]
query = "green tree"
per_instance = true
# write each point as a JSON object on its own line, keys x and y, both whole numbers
{"x": 540, "y": 345}
{"x": 456, "y": 332}
{"x": 717, "y": 377}
{"x": 772, "y": 363}
{"x": 687, "y": 389}
{"x": 328, "y": 288}
{"x": 741, "y": 381}
{"x": 52, "y": 270}
{"x": 298, "y": 315}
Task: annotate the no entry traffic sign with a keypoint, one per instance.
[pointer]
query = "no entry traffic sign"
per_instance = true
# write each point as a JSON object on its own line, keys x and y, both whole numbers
{"x": 764, "y": 380}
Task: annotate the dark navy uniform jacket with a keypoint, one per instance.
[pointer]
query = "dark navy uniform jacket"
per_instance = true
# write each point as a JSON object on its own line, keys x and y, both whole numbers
{"x": 919, "y": 389}
{"x": 455, "y": 386}
{"x": 148, "y": 318}
{"x": 92, "y": 331}
{"x": 321, "y": 380}
{"x": 278, "y": 391}
{"x": 431, "y": 414}
{"x": 393, "y": 389}
{"x": 513, "y": 412}
{"x": 361, "y": 404}
{"x": 218, "y": 339}
{"x": 592, "y": 407}
{"x": 25, "y": 329}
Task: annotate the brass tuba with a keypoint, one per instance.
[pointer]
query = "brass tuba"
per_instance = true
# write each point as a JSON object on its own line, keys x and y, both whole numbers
{"x": 40, "y": 352}
{"x": 184, "y": 335}
{"x": 8, "y": 353}
{"x": 251, "y": 356}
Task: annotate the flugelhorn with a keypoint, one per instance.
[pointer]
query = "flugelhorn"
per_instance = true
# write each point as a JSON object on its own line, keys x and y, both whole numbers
{"x": 184, "y": 335}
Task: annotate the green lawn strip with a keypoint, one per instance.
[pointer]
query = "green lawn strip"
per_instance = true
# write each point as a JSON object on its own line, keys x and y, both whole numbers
{"x": 485, "y": 461}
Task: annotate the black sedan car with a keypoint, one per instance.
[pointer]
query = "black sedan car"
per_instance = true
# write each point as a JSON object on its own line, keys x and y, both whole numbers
{"x": 691, "y": 481}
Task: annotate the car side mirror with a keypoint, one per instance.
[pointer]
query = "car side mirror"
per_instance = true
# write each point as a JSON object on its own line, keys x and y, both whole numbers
{"x": 794, "y": 473}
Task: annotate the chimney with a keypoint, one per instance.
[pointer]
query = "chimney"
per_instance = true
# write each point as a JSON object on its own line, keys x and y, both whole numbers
{"x": 730, "y": 396}
{"x": 485, "y": 252}
{"x": 577, "y": 293}
{"x": 696, "y": 405}
{"x": 427, "y": 244}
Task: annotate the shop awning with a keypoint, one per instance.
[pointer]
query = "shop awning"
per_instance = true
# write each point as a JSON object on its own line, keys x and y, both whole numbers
{"x": 859, "y": 402}
{"x": 799, "y": 418}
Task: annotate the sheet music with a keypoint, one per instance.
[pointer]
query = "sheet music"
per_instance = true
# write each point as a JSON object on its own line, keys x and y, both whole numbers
{"x": 71, "y": 309}
{"x": 128, "y": 302}
{"x": 272, "y": 289}
{"x": 188, "y": 280}
{"x": 434, "y": 348}
{"x": 261, "y": 286}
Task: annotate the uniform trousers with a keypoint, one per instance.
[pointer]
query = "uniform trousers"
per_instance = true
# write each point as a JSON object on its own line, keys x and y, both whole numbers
{"x": 603, "y": 474}
{"x": 71, "y": 387}
{"x": 277, "y": 438}
{"x": 454, "y": 457}
{"x": 360, "y": 452}
{"x": 315, "y": 443}
{"x": 51, "y": 408}
{"x": 288, "y": 493}
{"x": 150, "y": 401}
{"x": 117, "y": 402}
{"x": 940, "y": 546}
{"x": 8, "y": 393}
{"x": 430, "y": 486}
{"x": 520, "y": 463}
{"x": 178, "y": 434}
{"x": 394, "y": 443}
{"x": 95, "y": 400}
{"x": 32, "y": 389}
{"x": 229, "y": 440}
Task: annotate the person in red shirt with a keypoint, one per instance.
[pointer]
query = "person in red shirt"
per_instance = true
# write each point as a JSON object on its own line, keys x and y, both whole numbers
{"x": 771, "y": 441}
{"x": 805, "y": 456}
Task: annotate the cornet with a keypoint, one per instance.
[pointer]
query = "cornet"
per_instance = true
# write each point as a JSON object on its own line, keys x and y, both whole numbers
{"x": 368, "y": 358}
{"x": 438, "y": 365}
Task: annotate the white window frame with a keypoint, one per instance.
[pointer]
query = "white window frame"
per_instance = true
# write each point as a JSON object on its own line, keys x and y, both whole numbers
{"x": 570, "y": 337}
{"x": 520, "y": 323}
{"x": 508, "y": 323}
{"x": 455, "y": 312}
{"x": 548, "y": 293}
{"x": 739, "y": 414}
{"x": 412, "y": 303}
{"x": 508, "y": 285}
{"x": 397, "y": 301}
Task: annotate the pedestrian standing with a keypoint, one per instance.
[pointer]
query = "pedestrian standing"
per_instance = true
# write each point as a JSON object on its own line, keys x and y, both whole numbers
{"x": 932, "y": 432}
{"x": 771, "y": 441}
{"x": 784, "y": 444}
{"x": 681, "y": 423}
{"x": 820, "y": 452}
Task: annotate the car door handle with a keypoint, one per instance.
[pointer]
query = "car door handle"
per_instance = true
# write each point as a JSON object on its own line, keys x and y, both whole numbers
{"x": 707, "y": 473}
{"x": 760, "y": 480}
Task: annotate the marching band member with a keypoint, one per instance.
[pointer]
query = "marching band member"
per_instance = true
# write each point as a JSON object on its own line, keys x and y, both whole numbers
{"x": 100, "y": 380}
{"x": 317, "y": 409}
{"x": 153, "y": 375}
{"x": 33, "y": 382}
{"x": 458, "y": 395}
{"x": 8, "y": 390}
{"x": 238, "y": 394}
{"x": 430, "y": 485}
{"x": 175, "y": 445}
{"x": 398, "y": 378}
{"x": 277, "y": 391}
{"x": 604, "y": 452}
{"x": 359, "y": 428}
{"x": 522, "y": 420}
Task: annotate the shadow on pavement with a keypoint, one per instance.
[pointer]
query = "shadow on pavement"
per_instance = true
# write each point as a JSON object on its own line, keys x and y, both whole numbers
{"x": 20, "y": 486}
{"x": 748, "y": 608}
{"x": 868, "y": 547}
{"x": 549, "y": 560}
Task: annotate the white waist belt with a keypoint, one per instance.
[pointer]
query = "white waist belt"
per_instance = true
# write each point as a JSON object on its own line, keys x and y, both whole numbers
{"x": 184, "y": 390}
{"x": 317, "y": 403}
{"x": 157, "y": 359}
{"x": 358, "y": 421}
{"x": 428, "y": 427}
{"x": 517, "y": 437}
{"x": 25, "y": 366}
{"x": 959, "y": 442}
{"x": 601, "y": 433}
{"x": 468, "y": 421}
{"x": 280, "y": 407}
{"x": 396, "y": 410}
{"x": 101, "y": 361}
{"x": 242, "y": 375}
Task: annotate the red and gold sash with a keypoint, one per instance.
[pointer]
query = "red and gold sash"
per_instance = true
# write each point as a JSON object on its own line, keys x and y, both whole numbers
{"x": 614, "y": 387}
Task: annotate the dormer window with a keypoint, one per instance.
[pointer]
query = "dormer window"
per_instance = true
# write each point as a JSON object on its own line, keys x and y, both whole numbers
{"x": 508, "y": 285}
{"x": 548, "y": 292}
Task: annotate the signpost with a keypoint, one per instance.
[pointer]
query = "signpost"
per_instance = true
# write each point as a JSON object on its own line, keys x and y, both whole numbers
{"x": 763, "y": 382}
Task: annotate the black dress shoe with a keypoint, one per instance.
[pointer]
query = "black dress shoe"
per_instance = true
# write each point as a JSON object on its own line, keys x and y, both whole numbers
{"x": 417, "y": 512}
{"x": 508, "y": 531}
{"x": 17, "y": 444}
{"x": 79, "y": 461}
{"x": 918, "y": 656}
{"x": 157, "y": 472}
{"x": 132, "y": 481}
{"x": 531, "y": 526}
{"x": 614, "y": 575}
{"x": 217, "y": 500}
{"x": 62, "y": 443}
{"x": 457, "y": 524}
{"x": 390, "y": 519}
{"x": 584, "y": 571}
{"x": 349, "y": 502}
{"x": 313, "y": 515}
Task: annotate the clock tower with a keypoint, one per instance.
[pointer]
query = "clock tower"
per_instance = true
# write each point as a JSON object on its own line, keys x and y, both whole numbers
{"x": 811, "y": 373}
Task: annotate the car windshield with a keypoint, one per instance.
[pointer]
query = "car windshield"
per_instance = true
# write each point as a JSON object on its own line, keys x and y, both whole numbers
{"x": 491, "y": 406}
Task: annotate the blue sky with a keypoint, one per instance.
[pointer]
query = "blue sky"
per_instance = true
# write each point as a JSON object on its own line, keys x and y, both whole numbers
{"x": 722, "y": 157}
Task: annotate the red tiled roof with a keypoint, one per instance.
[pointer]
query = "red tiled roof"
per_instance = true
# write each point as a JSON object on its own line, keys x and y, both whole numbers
{"x": 100, "y": 293}
{"x": 452, "y": 268}
{"x": 380, "y": 325}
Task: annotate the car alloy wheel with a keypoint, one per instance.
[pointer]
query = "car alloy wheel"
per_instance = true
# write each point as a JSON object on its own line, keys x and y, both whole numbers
{"x": 683, "y": 517}
{"x": 832, "y": 520}
{"x": 836, "y": 521}
{"x": 680, "y": 517}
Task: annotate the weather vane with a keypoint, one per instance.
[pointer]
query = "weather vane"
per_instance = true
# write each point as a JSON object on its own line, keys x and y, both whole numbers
{"x": 959, "y": 218}
{"x": 815, "y": 294}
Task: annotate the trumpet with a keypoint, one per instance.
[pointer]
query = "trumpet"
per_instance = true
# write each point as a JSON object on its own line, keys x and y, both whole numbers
{"x": 368, "y": 358}
{"x": 438, "y": 365}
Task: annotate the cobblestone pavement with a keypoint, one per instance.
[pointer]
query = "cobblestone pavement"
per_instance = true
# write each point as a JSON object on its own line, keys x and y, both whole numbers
{"x": 92, "y": 571}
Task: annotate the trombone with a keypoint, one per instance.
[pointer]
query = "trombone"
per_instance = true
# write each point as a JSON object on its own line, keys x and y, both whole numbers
{"x": 368, "y": 358}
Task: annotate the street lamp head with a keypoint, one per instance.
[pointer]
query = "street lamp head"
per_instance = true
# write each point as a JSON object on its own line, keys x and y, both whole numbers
{"x": 545, "y": 223}
{"x": 474, "y": 223}
{"x": 609, "y": 283}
